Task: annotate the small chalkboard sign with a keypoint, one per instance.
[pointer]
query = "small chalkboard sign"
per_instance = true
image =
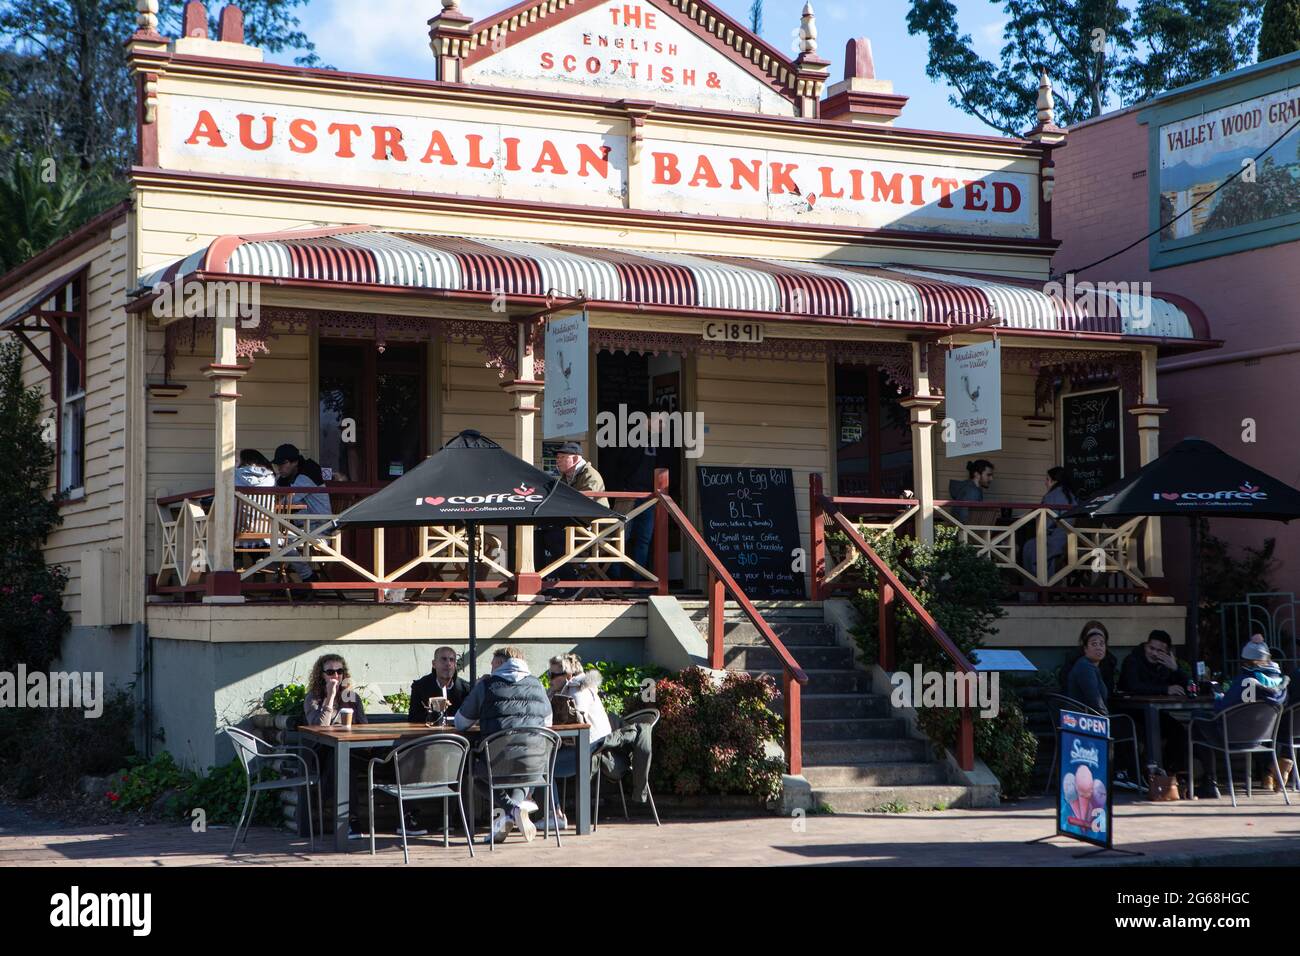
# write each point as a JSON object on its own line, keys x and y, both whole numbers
{"x": 748, "y": 518}
{"x": 1092, "y": 440}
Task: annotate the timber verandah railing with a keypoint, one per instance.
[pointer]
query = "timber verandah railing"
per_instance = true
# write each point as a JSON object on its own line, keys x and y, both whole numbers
{"x": 275, "y": 531}
{"x": 280, "y": 534}
{"x": 1048, "y": 556}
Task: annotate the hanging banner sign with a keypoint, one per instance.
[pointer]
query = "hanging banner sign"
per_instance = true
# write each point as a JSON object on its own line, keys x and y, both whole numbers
{"x": 973, "y": 400}
{"x": 1084, "y": 785}
{"x": 564, "y": 402}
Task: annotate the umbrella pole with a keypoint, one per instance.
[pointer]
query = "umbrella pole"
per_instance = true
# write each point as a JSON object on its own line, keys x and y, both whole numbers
{"x": 1194, "y": 597}
{"x": 472, "y": 527}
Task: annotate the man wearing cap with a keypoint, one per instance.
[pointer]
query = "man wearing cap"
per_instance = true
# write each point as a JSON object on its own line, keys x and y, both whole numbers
{"x": 291, "y": 468}
{"x": 577, "y": 472}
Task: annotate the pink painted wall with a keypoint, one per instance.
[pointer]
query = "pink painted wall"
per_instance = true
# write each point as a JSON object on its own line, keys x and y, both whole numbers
{"x": 1252, "y": 301}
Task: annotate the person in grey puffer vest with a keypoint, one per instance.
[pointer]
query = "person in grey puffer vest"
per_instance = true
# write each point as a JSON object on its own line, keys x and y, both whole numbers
{"x": 508, "y": 698}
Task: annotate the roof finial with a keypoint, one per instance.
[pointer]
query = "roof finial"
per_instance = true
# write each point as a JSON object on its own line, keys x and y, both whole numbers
{"x": 1046, "y": 102}
{"x": 147, "y": 15}
{"x": 858, "y": 62}
{"x": 807, "y": 31}
{"x": 450, "y": 4}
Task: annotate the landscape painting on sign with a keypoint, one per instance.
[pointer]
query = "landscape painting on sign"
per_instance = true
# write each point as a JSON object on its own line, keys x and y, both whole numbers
{"x": 1198, "y": 154}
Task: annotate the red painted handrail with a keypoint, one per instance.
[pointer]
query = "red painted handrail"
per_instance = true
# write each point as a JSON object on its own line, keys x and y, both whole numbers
{"x": 892, "y": 588}
{"x": 720, "y": 582}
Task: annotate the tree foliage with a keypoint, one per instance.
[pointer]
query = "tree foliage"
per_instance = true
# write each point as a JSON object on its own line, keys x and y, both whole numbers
{"x": 1094, "y": 51}
{"x": 32, "y": 619}
{"x": 1279, "y": 30}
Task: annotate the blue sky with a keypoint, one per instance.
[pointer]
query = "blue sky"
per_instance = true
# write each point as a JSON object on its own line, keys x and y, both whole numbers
{"x": 391, "y": 37}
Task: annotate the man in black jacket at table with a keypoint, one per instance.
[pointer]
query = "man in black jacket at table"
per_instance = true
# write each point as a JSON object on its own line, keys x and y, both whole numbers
{"x": 441, "y": 682}
{"x": 1152, "y": 670}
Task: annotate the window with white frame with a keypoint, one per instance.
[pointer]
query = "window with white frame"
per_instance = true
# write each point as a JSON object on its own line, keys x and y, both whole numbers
{"x": 71, "y": 389}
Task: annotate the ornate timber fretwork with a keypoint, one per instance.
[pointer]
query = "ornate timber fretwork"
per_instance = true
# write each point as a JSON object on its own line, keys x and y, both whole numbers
{"x": 1053, "y": 366}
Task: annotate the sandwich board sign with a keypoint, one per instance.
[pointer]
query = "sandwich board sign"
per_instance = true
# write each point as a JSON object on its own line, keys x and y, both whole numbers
{"x": 1084, "y": 781}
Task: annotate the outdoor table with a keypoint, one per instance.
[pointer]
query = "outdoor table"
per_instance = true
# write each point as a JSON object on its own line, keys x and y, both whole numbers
{"x": 388, "y": 733}
{"x": 1151, "y": 706}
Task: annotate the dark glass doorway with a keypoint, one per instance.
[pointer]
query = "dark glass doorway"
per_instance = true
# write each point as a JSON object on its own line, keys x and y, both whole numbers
{"x": 873, "y": 435}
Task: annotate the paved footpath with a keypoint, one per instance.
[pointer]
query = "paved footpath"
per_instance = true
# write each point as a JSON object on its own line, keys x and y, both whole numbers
{"x": 1259, "y": 832}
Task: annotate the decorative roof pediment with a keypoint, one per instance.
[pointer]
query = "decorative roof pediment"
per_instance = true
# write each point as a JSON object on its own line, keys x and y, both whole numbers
{"x": 676, "y": 52}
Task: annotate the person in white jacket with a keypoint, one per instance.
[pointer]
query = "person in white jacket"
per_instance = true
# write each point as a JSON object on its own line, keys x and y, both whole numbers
{"x": 567, "y": 674}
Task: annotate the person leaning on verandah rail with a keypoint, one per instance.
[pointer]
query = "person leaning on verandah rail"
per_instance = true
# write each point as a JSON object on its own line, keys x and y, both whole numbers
{"x": 580, "y": 475}
{"x": 508, "y": 698}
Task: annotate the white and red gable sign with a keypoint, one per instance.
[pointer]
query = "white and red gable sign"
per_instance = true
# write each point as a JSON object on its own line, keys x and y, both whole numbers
{"x": 630, "y": 49}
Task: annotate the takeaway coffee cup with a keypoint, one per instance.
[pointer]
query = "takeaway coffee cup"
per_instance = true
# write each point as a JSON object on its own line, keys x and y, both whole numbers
{"x": 345, "y": 717}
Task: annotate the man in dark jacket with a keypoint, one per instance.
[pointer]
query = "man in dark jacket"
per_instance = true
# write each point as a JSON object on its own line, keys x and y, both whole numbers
{"x": 440, "y": 682}
{"x": 508, "y": 698}
{"x": 1151, "y": 670}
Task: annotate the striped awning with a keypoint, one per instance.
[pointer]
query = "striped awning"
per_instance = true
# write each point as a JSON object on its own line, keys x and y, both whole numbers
{"x": 784, "y": 288}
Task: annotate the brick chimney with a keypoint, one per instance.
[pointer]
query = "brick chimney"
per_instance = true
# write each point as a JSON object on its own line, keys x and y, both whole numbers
{"x": 860, "y": 97}
{"x": 195, "y": 41}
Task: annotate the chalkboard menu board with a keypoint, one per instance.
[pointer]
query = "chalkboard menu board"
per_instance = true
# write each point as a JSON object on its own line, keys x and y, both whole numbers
{"x": 747, "y": 517}
{"x": 1092, "y": 440}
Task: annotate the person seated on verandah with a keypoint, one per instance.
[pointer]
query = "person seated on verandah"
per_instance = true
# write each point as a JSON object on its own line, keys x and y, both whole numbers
{"x": 296, "y": 471}
{"x": 254, "y": 470}
{"x": 568, "y": 680}
{"x": 580, "y": 475}
{"x": 507, "y": 698}
{"x": 1085, "y": 682}
{"x": 1059, "y": 497}
{"x": 1258, "y": 679}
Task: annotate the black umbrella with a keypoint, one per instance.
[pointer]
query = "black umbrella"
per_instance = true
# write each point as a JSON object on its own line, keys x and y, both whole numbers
{"x": 1192, "y": 480}
{"x": 473, "y": 480}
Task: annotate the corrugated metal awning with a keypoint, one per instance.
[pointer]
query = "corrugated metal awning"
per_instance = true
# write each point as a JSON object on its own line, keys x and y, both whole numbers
{"x": 784, "y": 288}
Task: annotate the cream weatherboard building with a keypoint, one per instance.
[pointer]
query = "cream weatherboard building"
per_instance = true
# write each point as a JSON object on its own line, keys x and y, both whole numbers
{"x": 364, "y": 265}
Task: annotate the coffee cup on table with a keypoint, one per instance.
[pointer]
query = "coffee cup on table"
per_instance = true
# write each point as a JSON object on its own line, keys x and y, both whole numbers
{"x": 345, "y": 717}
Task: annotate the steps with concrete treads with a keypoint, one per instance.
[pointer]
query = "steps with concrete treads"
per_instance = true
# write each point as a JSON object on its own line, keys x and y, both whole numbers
{"x": 857, "y": 755}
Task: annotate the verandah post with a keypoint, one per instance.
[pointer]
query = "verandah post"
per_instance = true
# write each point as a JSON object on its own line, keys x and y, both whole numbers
{"x": 885, "y": 626}
{"x": 661, "y": 530}
{"x": 223, "y": 584}
{"x": 717, "y": 607}
{"x": 793, "y": 722}
{"x": 966, "y": 740}
{"x": 816, "y": 537}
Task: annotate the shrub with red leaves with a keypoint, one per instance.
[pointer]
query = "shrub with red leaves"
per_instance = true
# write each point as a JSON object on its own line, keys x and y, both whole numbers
{"x": 710, "y": 735}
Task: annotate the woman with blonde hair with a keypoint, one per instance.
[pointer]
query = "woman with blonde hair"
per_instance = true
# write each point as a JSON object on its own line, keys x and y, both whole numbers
{"x": 584, "y": 688}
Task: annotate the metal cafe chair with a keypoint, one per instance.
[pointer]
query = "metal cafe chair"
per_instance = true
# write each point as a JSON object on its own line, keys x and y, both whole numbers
{"x": 650, "y": 717}
{"x": 428, "y": 768}
{"x": 1288, "y": 732}
{"x": 255, "y": 753}
{"x": 520, "y": 758}
{"x": 1059, "y": 702}
{"x": 1249, "y": 729}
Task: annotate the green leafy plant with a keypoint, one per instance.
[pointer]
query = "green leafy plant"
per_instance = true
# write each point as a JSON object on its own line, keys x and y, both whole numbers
{"x": 711, "y": 735}
{"x": 621, "y": 685}
{"x": 219, "y": 793}
{"x": 32, "y": 619}
{"x": 46, "y": 751}
{"x": 400, "y": 702}
{"x": 959, "y": 589}
{"x": 285, "y": 699}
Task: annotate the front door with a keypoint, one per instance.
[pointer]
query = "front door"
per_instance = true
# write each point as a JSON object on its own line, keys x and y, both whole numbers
{"x": 873, "y": 436}
{"x": 373, "y": 428}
